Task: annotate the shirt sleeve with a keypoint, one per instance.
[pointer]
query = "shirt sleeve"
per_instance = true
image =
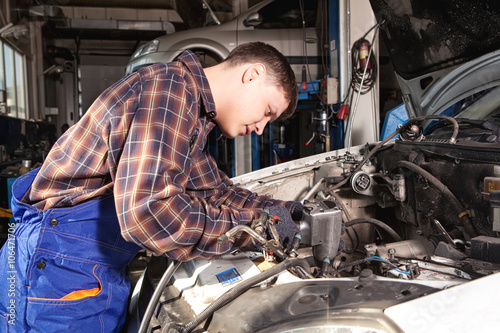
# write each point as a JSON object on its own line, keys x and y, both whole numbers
{"x": 155, "y": 203}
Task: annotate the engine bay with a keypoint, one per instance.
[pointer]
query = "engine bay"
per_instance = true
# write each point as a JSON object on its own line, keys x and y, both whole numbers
{"x": 411, "y": 216}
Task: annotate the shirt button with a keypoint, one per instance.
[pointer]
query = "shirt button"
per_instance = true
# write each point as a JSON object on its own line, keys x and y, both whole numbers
{"x": 41, "y": 265}
{"x": 211, "y": 114}
{"x": 54, "y": 222}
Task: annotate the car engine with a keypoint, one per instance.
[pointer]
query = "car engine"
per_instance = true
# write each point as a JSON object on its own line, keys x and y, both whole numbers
{"x": 412, "y": 216}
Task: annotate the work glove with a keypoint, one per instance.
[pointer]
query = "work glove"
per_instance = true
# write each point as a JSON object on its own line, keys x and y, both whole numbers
{"x": 285, "y": 226}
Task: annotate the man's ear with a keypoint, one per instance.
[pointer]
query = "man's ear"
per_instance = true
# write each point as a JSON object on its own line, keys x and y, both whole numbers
{"x": 253, "y": 72}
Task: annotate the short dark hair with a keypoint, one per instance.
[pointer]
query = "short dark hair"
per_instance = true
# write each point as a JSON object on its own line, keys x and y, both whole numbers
{"x": 277, "y": 67}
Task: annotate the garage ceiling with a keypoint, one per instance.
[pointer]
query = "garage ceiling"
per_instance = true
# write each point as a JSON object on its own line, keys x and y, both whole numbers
{"x": 165, "y": 4}
{"x": 107, "y": 20}
{"x": 116, "y": 20}
{"x": 109, "y": 28}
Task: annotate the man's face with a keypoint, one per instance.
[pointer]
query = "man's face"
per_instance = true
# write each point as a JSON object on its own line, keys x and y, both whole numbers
{"x": 256, "y": 105}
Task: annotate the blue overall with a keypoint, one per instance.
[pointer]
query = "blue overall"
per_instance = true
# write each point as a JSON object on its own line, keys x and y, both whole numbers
{"x": 64, "y": 269}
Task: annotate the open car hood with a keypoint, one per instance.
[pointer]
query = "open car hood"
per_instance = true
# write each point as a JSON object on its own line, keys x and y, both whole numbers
{"x": 402, "y": 235}
{"x": 442, "y": 51}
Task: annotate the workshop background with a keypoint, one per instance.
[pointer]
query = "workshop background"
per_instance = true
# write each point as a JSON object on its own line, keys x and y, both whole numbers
{"x": 57, "y": 56}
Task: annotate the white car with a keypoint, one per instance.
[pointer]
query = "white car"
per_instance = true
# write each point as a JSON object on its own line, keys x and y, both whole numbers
{"x": 276, "y": 22}
{"x": 419, "y": 215}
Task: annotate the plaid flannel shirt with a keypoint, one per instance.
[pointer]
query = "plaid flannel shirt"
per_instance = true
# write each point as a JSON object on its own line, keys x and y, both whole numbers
{"x": 144, "y": 140}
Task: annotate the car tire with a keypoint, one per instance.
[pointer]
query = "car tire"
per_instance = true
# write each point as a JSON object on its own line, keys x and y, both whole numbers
{"x": 207, "y": 58}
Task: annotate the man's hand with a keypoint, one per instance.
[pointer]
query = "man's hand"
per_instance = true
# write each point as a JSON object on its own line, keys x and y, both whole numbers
{"x": 284, "y": 225}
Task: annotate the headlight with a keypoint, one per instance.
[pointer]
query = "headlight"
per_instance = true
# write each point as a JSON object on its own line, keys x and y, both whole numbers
{"x": 147, "y": 48}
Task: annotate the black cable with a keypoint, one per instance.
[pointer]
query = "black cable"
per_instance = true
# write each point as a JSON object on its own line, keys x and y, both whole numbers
{"x": 462, "y": 213}
{"x": 354, "y": 248}
{"x": 377, "y": 223}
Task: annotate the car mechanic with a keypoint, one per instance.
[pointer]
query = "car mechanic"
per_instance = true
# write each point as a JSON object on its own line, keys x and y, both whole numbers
{"x": 134, "y": 173}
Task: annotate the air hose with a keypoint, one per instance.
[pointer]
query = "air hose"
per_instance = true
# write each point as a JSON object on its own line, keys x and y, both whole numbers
{"x": 157, "y": 293}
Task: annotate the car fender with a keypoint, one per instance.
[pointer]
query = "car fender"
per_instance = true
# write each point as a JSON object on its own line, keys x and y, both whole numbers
{"x": 197, "y": 44}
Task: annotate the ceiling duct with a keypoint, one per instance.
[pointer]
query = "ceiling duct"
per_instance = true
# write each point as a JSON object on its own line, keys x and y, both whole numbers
{"x": 47, "y": 11}
{"x": 15, "y": 31}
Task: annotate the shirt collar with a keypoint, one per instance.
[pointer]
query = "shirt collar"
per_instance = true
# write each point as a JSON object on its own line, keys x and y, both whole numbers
{"x": 193, "y": 64}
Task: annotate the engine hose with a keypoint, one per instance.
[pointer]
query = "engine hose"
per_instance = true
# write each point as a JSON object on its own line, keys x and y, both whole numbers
{"x": 462, "y": 213}
{"x": 303, "y": 272}
{"x": 453, "y": 121}
{"x": 157, "y": 293}
{"x": 377, "y": 223}
{"x": 241, "y": 288}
